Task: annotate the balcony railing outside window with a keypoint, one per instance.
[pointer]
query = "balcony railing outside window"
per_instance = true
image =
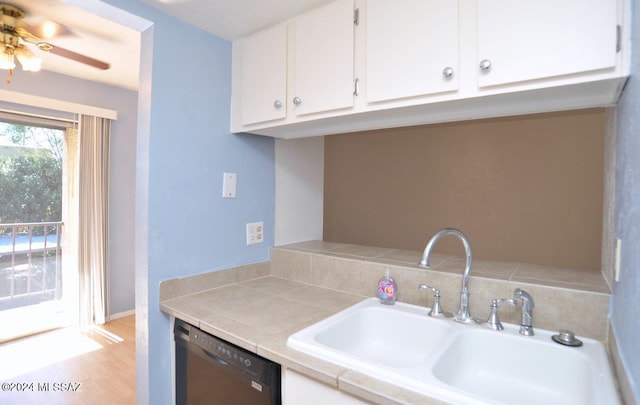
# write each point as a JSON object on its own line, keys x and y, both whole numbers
{"x": 30, "y": 263}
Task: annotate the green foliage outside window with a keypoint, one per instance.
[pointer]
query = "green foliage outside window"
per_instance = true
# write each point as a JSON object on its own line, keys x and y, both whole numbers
{"x": 30, "y": 174}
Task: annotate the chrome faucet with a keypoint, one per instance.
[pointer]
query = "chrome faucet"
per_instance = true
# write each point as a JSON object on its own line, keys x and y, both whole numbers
{"x": 526, "y": 327}
{"x": 436, "y": 308}
{"x": 463, "y": 313}
{"x": 494, "y": 320}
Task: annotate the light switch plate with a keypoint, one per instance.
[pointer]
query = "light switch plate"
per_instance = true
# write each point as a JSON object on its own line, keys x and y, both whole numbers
{"x": 229, "y": 183}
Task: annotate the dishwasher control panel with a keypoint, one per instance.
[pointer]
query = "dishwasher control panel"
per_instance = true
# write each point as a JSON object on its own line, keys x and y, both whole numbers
{"x": 224, "y": 352}
{"x": 222, "y": 349}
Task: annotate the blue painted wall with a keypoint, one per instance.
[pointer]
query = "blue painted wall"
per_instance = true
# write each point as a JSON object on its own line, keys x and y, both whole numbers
{"x": 183, "y": 226}
{"x": 626, "y": 293}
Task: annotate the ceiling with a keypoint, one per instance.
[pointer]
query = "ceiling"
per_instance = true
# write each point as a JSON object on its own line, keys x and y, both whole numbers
{"x": 119, "y": 46}
{"x": 233, "y": 19}
{"x": 89, "y": 35}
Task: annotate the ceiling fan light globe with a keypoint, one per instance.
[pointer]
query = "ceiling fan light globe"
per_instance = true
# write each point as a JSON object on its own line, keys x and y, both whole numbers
{"x": 7, "y": 61}
{"x": 28, "y": 60}
{"x": 31, "y": 65}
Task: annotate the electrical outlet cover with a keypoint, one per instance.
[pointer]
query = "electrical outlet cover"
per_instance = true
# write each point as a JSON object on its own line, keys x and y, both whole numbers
{"x": 255, "y": 233}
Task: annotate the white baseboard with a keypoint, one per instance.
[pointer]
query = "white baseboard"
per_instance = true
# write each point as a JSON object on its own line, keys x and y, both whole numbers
{"x": 122, "y": 314}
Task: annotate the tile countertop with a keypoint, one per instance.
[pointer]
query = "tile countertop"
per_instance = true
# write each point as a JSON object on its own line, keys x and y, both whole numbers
{"x": 258, "y": 306}
{"x": 260, "y": 314}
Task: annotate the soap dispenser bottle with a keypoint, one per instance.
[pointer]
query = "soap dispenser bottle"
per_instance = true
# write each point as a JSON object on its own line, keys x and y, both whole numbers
{"x": 387, "y": 289}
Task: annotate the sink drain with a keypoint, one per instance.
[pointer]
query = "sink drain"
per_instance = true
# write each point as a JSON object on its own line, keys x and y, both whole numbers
{"x": 567, "y": 338}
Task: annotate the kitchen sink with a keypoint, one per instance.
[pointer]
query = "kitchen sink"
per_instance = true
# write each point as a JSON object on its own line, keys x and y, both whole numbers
{"x": 459, "y": 363}
{"x": 396, "y": 336}
{"x": 513, "y": 369}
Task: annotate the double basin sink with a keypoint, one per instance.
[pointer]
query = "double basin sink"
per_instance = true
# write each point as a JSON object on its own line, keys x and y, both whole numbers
{"x": 459, "y": 363}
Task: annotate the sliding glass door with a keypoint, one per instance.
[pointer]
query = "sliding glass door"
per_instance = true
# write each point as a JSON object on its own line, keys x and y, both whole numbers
{"x": 37, "y": 291}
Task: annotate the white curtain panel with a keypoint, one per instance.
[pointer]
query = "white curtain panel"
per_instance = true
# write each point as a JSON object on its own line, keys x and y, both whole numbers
{"x": 93, "y": 235}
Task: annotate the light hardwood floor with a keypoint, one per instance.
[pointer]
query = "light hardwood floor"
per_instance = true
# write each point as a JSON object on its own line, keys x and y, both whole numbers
{"x": 68, "y": 367}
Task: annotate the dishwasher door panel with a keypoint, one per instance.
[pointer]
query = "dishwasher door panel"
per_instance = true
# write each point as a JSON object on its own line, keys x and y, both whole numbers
{"x": 202, "y": 377}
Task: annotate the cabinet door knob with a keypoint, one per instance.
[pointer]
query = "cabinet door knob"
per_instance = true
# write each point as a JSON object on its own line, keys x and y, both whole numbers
{"x": 447, "y": 73}
{"x": 297, "y": 101}
{"x": 277, "y": 104}
{"x": 485, "y": 65}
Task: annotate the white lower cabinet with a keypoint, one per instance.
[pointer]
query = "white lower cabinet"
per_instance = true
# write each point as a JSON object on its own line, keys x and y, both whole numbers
{"x": 298, "y": 389}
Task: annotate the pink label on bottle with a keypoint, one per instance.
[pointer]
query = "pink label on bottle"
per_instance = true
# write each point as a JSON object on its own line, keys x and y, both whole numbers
{"x": 386, "y": 289}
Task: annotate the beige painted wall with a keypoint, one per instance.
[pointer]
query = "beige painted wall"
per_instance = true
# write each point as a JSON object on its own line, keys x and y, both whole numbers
{"x": 524, "y": 189}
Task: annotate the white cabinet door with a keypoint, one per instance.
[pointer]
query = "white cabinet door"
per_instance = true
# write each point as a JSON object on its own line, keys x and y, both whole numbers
{"x": 323, "y": 59}
{"x": 412, "y": 48}
{"x": 523, "y": 40}
{"x": 298, "y": 389}
{"x": 264, "y": 76}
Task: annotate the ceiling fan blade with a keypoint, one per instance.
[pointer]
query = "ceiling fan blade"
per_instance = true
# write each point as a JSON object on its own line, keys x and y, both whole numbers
{"x": 65, "y": 53}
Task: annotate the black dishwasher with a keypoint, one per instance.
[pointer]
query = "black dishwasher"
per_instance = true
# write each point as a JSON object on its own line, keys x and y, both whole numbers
{"x": 210, "y": 370}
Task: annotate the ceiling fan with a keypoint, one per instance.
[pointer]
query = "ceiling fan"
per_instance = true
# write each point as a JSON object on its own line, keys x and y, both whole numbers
{"x": 15, "y": 34}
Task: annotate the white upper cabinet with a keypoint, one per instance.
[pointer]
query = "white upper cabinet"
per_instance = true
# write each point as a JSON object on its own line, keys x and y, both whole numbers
{"x": 323, "y": 59}
{"x": 264, "y": 76}
{"x": 411, "y": 48}
{"x": 520, "y": 40}
{"x": 413, "y": 62}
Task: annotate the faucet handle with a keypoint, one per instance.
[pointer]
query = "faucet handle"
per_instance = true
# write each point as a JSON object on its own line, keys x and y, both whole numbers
{"x": 436, "y": 309}
{"x": 494, "y": 320}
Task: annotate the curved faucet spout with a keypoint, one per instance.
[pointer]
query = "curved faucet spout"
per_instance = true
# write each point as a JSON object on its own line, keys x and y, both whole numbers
{"x": 463, "y": 312}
